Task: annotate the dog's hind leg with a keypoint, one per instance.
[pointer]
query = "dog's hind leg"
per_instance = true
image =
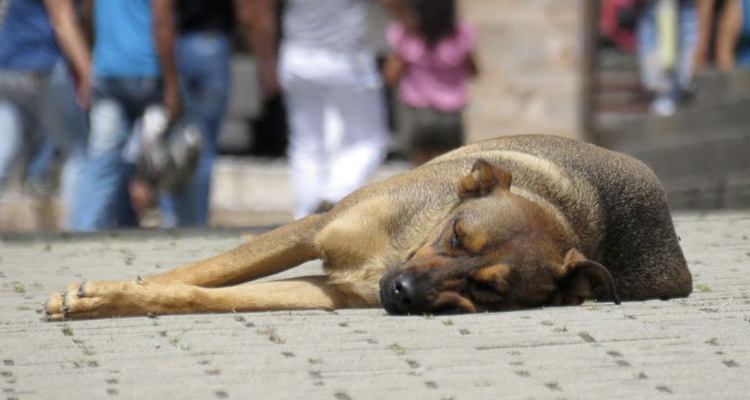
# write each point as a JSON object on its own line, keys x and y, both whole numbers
{"x": 108, "y": 299}
{"x": 269, "y": 253}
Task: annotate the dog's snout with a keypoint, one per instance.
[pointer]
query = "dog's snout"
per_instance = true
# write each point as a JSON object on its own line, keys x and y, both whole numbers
{"x": 402, "y": 290}
{"x": 401, "y": 296}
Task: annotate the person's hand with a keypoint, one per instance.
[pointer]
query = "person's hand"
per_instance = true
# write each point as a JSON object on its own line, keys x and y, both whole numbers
{"x": 83, "y": 93}
{"x": 172, "y": 101}
{"x": 82, "y": 86}
{"x": 269, "y": 81}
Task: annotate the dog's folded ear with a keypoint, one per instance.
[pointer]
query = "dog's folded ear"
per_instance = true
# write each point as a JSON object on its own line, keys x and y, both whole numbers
{"x": 484, "y": 179}
{"x": 580, "y": 279}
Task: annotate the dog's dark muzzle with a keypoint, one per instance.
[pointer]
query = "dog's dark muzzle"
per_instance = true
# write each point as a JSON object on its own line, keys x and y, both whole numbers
{"x": 412, "y": 293}
{"x": 402, "y": 293}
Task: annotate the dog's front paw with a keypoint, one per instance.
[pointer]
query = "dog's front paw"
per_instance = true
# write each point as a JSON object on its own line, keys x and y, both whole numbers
{"x": 86, "y": 300}
{"x": 57, "y": 306}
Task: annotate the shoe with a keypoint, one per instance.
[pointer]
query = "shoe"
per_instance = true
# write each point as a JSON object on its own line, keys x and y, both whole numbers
{"x": 663, "y": 106}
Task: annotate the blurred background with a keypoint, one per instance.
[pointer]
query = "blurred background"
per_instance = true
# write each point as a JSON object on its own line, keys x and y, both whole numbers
{"x": 662, "y": 80}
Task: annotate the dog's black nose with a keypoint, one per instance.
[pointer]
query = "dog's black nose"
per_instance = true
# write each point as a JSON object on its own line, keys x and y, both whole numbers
{"x": 403, "y": 292}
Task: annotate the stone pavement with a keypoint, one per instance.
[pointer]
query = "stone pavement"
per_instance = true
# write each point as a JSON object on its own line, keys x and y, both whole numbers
{"x": 693, "y": 348}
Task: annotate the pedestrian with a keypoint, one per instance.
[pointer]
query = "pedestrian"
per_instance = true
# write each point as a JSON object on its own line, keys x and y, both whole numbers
{"x": 203, "y": 51}
{"x": 133, "y": 68}
{"x": 333, "y": 96}
{"x": 40, "y": 109}
{"x": 432, "y": 61}
{"x": 667, "y": 38}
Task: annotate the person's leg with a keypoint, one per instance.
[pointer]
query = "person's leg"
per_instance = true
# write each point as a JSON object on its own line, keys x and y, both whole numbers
{"x": 688, "y": 25}
{"x": 104, "y": 173}
{"x": 64, "y": 122}
{"x": 125, "y": 215}
{"x": 101, "y": 200}
{"x": 305, "y": 105}
{"x": 364, "y": 139}
{"x": 654, "y": 78}
{"x": 648, "y": 40}
{"x": 12, "y": 123}
{"x": 19, "y": 99}
{"x": 306, "y": 113}
{"x": 203, "y": 60}
{"x": 38, "y": 165}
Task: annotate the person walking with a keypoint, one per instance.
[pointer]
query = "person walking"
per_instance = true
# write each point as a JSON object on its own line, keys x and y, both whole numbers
{"x": 40, "y": 99}
{"x": 133, "y": 67}
{"x": 203, "y": 51}
{"x": 667, "y": 38}
{"x": 432, "y": 61}
{"x": 333, "y": 96}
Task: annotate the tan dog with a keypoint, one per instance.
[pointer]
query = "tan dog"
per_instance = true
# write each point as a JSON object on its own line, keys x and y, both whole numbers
{"x": 509, "y": 223}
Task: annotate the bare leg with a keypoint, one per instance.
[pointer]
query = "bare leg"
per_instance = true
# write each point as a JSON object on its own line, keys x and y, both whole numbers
{"x": 109, "y": 299}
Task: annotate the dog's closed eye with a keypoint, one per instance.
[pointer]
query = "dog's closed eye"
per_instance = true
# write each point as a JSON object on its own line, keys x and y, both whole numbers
{"x": 456, "y": 237}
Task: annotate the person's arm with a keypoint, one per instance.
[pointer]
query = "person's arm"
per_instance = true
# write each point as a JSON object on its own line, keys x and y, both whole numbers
{"x": 393, "y": 69}
{"x": 729, "y": 32}
{"x": 86, "y": 10}
{"x": 258, "y": 21}
{"x": 164, "y": 36}
{"x": 473, "y": 65}
{"x": 70, "y": 37}
{"x": 703, "y": 42}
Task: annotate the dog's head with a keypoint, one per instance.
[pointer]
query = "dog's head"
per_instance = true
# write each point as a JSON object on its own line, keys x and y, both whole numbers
{"x": 495, "y": 251}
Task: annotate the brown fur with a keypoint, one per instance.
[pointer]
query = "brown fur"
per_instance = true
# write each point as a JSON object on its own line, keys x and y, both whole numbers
{"x": 502, "y": 224}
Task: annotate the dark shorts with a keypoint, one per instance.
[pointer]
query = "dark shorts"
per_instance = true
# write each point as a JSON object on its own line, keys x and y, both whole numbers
{"x": 430, "y": 130}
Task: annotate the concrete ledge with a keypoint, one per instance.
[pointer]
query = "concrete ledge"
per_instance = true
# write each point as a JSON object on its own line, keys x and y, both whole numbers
{"x": 700, "y": 155}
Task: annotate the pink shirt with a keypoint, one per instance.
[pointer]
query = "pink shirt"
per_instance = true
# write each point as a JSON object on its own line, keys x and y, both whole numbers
{"x": 433, "y": 78}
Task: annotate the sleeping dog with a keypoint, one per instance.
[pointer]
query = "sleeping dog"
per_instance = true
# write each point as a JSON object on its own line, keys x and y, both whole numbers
{"x": 503, "y": 224}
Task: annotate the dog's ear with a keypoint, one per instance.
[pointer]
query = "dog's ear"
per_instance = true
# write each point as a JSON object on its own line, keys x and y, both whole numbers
{"x": 580, "y": 279}
{"x": 484, "y": 179}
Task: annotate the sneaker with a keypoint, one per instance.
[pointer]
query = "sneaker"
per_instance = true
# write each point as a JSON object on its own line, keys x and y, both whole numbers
{"x": 663, "y": 106}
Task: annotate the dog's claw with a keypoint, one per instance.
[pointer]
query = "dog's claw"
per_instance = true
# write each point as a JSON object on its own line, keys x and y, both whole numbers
{"x": 81, "y": 293}
{"x": 64, "y": 309}
{"x": 139, "y": 280}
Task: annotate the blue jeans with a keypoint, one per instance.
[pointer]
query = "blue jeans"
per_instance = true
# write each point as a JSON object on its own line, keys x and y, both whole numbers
{"x": 667, "y": 83}
{"x": 203, "y": 62}
{"x": 117, "y": 103}
{"x": 40, "y": 162}
{"x": 42, "y": 107}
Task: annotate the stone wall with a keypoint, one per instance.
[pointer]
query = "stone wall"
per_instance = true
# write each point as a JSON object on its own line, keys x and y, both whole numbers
{"x": 531, "y": 59}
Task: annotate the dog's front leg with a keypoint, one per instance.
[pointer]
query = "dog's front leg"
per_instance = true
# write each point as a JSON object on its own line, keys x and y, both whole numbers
{"x": 110, "y": 299}
{"x": 272, "y": 252}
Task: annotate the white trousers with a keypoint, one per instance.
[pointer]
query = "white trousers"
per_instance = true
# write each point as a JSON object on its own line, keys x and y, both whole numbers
{"x": 336, "y": 113}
